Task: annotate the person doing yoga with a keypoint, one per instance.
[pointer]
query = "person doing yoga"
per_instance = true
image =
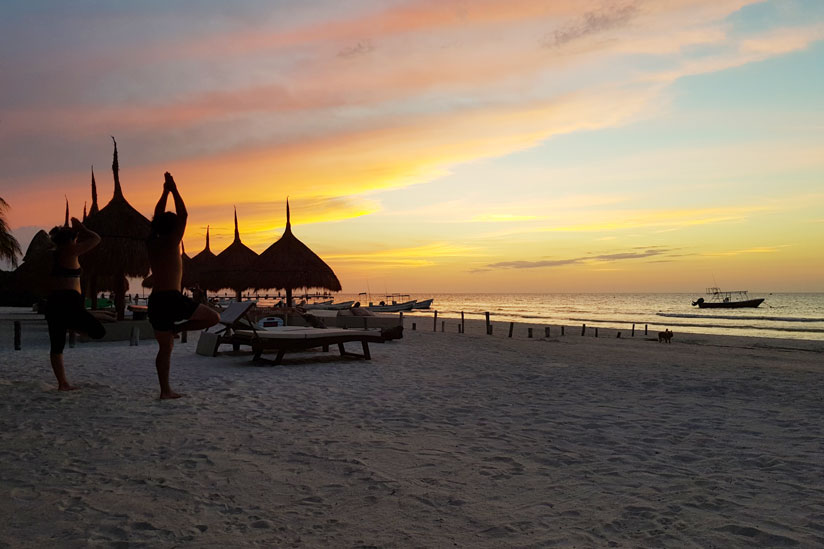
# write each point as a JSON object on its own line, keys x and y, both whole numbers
{"x": 169, "y": 310}
{"x": 65, "y": 308}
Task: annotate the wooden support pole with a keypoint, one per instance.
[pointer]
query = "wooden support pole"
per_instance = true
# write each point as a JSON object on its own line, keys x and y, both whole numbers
{"x": 618, "y": 335}
{"x": 546, "y": 331}
{"x": 463, "y": 327}
{"x": 184, "y": 336}
{"x": 645, "y": 329}
{"x": 633, "y": 330}
{"x": 583, "y": 329}
{"x": 488, "y": 325}
{"x": 511, "y": 327}
{"x": 596, "y": 331}
{"x": 443, "y": 325}
{"x": 414, "y": 326}
{"x": 529, "y": 332}
{"x": 17, "y": 334}
{"x": 435, "y": 322}
{"x": 562, "y": 330}
{"x": 400, "y": 318}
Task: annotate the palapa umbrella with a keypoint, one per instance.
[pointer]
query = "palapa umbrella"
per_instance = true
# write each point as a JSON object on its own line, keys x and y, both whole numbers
{"x": 234, "y": 266}
{"x": 122, "y": 250}
{"x": 32, "y": 274}
{"x": 201, "y": 269}
{"x": 289, "y": 264}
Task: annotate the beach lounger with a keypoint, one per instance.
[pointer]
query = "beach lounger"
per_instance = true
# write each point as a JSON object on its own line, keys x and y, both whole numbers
{"x": 234, "y": 317}
{"x": 297, "y": 338}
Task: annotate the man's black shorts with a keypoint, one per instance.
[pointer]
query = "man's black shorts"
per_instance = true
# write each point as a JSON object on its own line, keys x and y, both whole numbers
{"x": 167, "y": 307}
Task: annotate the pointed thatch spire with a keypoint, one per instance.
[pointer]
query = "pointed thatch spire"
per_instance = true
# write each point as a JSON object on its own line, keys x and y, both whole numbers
{"x": 237, "y": 233}
{"x": 94, "y": 208}
{"x": 66, "y": 222}
{"x": 288, "y": 221}
{"x": 207, "y": 240}
{"x": 84, "y": 211}
{"x": 118, "y": 192}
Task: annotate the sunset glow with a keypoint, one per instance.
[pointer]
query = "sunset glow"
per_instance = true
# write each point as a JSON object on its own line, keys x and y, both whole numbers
{"x": 440, "y": 146}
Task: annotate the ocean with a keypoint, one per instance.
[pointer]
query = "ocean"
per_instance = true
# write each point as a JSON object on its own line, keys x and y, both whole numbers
{"x": 782, "y": 315}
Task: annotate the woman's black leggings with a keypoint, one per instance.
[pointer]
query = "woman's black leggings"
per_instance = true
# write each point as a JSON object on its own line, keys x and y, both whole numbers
{"x": 65, "y": 311}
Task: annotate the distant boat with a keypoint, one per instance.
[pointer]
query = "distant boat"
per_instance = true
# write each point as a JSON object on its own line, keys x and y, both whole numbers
{"x": 392, "y": 307}
{"x": 330, "y": 306}
{"x": 737, "y": 299}
{"x": 423, "y": 304}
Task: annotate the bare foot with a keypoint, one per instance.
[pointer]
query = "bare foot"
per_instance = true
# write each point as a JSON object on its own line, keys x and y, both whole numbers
{"x": 170, "y": 395}
{"x": 67, "y": 387}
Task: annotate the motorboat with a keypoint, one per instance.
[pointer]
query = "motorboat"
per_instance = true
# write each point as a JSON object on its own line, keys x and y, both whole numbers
{"x": 736, "y": 299}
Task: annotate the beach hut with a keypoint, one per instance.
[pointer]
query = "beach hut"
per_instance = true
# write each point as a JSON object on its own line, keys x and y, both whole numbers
{"x": 122, "y": 250}
{"x": 33, "y": 272}
{"x": 201, "y": 269}
{"x": 289, "y": 264}
{"x": 234, "y": 266}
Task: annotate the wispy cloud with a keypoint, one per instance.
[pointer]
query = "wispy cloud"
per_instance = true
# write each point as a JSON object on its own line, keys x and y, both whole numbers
{"x": 652, "y": 252}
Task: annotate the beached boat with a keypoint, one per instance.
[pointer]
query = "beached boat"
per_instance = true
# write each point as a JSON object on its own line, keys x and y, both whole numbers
{"x": 330, "y": 306}
{"x": 717, "y": 299}
{"x": 423, "y": 304}
{"x": 391, "y": 307}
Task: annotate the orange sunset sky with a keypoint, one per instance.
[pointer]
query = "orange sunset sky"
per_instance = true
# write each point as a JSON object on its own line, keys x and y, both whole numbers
{"x": 440, "y": 146}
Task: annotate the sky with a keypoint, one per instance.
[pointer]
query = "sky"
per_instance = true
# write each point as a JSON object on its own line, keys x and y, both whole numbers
{"x": 440, "y": 145}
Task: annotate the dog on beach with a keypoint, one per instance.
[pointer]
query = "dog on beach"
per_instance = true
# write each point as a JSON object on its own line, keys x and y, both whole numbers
{"x": 665, "y": 336}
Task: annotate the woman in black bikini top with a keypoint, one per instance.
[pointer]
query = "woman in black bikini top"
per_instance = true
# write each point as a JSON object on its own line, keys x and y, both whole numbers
{"x": 65, "y": 308}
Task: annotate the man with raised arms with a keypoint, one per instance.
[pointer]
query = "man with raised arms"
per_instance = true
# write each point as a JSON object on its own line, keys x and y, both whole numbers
{"x": 169, "y": 310}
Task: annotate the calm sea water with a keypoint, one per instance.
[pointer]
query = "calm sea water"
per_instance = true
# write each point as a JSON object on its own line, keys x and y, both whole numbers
{"x": 785, "y": 315}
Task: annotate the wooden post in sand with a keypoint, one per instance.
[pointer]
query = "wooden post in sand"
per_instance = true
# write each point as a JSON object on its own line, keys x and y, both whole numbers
{"x": 488, "y": 325}
{"x": 529, "y": 332}
{"x": 511, "y": 327}
{"x": 645, "y": 329}
{"x": 435, "y": 322}
{"x": 400, "y": 318}
{"x": 583, "y": 329}
{"x": 72, "y": 339}
{"x": 596, "y": 331}
{"x": 546, "y": 331}
{"x": 462, "y": 323}
{"x": 184, "y": 336}
{"x": 17, "y": 330}
{"x": 134, "y": 337}
{"x": 443, "y": 325}
{"x": 633, "y": 330}
{"x": 414, "y": 326}
{"x": 562, "y": 330}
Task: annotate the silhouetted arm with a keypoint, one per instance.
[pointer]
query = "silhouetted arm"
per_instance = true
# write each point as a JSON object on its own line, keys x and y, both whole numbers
{"x": 86, "y": 239}
{"x": 180, "y": 207}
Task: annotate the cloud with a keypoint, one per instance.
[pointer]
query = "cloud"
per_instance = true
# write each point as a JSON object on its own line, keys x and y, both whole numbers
{"x": 606, "y": 18}
{"x": 651, "y": 252}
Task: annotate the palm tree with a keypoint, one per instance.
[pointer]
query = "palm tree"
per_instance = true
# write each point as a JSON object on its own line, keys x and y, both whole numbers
{"x": 9, "y": 247}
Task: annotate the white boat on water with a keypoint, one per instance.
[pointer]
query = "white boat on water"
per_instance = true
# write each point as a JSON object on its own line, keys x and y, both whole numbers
{"x": 391, "y": 307}
{"x": 330, "y": 306}
{"x": 423, "y": 304}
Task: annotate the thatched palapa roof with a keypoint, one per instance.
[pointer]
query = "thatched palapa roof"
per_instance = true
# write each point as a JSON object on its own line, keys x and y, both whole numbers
{"x": 201, "y": 269}
{"x": 289, "y": 264}
{"x": 123, "y": 232}
{"x": 234, "y": 266}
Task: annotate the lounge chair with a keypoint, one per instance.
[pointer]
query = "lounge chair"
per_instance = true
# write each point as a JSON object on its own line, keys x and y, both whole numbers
{"x": 234, "y": 317}
{"x": 299, "y": 338}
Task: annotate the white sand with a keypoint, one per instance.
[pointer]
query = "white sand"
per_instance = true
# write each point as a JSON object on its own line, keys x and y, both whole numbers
{"x": 441, "y": 440}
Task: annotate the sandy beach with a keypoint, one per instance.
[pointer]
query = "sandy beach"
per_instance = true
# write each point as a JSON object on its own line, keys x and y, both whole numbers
{"x": 441, "y": 440}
